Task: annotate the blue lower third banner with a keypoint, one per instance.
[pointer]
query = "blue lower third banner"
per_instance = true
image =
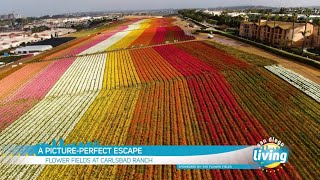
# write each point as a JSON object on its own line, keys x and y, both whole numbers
{"x": 185, "y": 157}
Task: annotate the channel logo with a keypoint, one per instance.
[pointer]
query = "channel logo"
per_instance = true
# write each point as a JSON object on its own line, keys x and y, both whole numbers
{"x": 270, "y": 153}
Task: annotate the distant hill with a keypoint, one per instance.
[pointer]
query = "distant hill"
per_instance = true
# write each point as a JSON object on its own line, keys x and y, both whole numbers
{"x": 255, "y": 7}
{"x": 242, "y": 7}
{"x": 317, "y": 7}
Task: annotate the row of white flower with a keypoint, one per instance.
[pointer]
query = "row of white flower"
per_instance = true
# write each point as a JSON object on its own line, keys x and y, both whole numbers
{"x": 310, "y": 88}
{"x": 102, "y": 46}
{"x": 85, "y": 74}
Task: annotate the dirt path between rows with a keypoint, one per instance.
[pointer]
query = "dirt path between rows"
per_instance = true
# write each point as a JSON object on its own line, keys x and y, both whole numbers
{"x": 307, "y": 71}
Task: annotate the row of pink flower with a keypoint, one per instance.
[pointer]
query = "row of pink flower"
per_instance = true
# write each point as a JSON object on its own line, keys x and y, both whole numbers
{"x": 10, "y": 84}
{"x": 44, "y": 81}
{"x": 160, "y": 36}
{"x": 96, "y": 40}
{"x": 170, "y": 34}
{"x": 32, "y": 92}
{"x": 13, "y": 110}
{"x": 84, "y": 44}
{"x": 79, "y": 48}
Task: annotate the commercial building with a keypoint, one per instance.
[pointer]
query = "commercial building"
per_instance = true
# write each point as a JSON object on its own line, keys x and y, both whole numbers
{"x": 280, "y": 34}
{"x": 10, "y": 16}
{"x": 15, "y": 39}
{"x": 32, "y": 49}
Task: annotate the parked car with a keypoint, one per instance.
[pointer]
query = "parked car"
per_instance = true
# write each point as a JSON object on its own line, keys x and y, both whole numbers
{"x": 210, "y": 36}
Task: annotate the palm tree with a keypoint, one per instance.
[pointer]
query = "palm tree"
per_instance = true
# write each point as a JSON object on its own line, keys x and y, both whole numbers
{"x": 252, "y": 17}
{"x": 316, "y": 22}
{"x": 285, "y": 18}
{"x": 294, "y": 18}
{"x": 239, "y": 20}
{"x": 259, "y": 28}
{"x": 305, "y": 32}
{"x": 225, "y": 17}
{"x": 267, "y": 16}
{"x": 276, "y": 17}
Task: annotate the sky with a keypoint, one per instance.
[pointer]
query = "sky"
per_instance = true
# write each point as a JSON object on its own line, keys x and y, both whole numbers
{"x": 45, "y": 7}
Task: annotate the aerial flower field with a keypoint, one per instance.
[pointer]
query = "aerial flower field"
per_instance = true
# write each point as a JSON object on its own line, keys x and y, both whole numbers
{"x": 107, "y": 43}
{"x": 87, "y": 43}
{"x": 186, "y": 93}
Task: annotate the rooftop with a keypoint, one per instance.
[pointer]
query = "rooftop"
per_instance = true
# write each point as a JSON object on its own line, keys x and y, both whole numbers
{"x": 280, "y": 24}
{"x": 34, "y": 48}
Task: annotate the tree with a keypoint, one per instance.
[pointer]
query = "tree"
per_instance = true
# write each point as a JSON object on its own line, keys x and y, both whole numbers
{"x": 283, "y": 11}
{"x": 267, "y": 16}
{"x": 259, "y": 28}
{"x": 305, "y": 32}
{"x": 39, "y": 29}
{"x": 225, "y": 17}
{"x": 252, "y": 17}
{"x": 316, "y": 22}
{"x": 285, "y": 18}
{"x": 276, "y": 17}
{"x": 240, "y": 19}
{"x": 294, "y": 18}
{"x": 213, "y": 22}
